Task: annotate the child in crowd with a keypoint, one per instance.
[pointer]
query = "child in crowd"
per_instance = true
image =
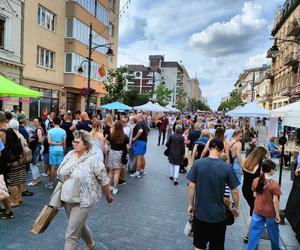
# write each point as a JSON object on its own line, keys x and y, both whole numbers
{"x": 266, "y": 207}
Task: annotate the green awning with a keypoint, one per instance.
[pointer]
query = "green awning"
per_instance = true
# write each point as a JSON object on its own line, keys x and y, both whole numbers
{"x": 12, "y": 89}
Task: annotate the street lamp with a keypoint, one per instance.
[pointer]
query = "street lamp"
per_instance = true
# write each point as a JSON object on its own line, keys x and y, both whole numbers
{"x": 274, "y": 50}
{"x": 92, "y": 47}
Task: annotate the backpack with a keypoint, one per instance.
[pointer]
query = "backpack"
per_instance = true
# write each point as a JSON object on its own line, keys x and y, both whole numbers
{"x": 13, "y": 145}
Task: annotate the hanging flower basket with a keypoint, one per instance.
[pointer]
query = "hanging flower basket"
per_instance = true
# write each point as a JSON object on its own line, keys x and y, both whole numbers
{"x": 86, "y": 92}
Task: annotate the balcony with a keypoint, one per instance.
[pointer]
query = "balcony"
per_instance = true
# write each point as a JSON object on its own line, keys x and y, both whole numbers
{"x": 295, "y": 90}
{"x": 294, "y": 28}
{"x": 286, "y": 91}
{"x": 269, "y": 74}
{"x": 291, "y": 59}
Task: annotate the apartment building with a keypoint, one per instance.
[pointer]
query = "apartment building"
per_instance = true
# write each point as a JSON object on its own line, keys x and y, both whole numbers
{"x": 11, "y": 21}
{"x": 284, "y": 74}
{"x": 247, "y": 82}
{"x": 56, "y": 39}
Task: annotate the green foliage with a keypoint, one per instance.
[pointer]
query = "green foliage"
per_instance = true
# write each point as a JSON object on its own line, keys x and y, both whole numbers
{"x": 115, "y": 85}
{"x": 195, "y": 105}
{"x": 134, "y": 98}
{"x": 163, "y": 94}
{"x": 234, "y": 101}
{"x": 180, "y": 96}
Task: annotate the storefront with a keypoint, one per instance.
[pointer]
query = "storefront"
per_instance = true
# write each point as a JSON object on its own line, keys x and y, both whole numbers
{"x": 49, "y": 100}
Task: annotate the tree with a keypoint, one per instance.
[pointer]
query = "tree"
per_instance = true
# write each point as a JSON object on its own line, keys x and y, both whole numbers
{"x": 163, "y": 94}
{"x": 195, "y": 105}
{"x": 134, "y": 98}
{"x": 115, "y": 85}
{"x": 235, "y": 100}
{"x": 180, "y": 96}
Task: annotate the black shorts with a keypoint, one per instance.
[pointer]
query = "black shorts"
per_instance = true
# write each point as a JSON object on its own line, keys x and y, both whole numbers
{"x": 212, "y": 233}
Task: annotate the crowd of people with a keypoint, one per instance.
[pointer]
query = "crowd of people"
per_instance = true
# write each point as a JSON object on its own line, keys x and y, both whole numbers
{"x": 84, "y": 152}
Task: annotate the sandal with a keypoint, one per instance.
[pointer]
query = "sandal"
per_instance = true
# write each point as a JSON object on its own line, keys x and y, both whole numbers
{"x": 91, "y": 247}
{"x": 246, "y": 239}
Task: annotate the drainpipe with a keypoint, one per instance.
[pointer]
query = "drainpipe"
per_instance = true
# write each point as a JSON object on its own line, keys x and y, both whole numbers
{"x": 22, "y": 47}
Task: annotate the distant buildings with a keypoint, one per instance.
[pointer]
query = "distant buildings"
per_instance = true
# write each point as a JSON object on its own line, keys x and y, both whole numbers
{"x": 43, "y": 43}
{"x": 171, "y": 73}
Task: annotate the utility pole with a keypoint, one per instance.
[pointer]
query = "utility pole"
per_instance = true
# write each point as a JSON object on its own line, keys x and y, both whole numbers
{"x": 89, "y": 68}
{"x": 252, "y": 89}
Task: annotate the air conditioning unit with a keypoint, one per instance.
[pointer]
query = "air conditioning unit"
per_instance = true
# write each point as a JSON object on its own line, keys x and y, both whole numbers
{"x": 138, "y": 75}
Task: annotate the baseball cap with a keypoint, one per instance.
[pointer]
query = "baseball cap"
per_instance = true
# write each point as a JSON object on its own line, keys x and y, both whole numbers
{"x": 217, "y": 144}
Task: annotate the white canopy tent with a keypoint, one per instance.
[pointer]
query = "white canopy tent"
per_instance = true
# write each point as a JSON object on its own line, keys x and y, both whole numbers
{"x": 250, "y": 110}
{"x": 234, "y": 110}
{"x": 290, "y": 114}
{"x": 172, "y": 109}
{"x": 149, "y": 106}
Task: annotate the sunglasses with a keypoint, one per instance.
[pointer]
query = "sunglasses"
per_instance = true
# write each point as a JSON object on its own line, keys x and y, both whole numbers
{"x": 75, "y": 142}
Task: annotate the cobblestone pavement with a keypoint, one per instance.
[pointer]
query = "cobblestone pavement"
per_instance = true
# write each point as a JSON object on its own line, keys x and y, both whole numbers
{"x": 148, "y": 213}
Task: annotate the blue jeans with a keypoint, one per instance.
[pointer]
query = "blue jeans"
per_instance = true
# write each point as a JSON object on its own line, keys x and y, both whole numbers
{"x": 256, "y": 227}
{"x": 36, "y": 154}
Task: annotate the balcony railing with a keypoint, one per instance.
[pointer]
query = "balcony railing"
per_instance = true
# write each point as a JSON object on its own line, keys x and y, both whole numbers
{"x": 269, "y": 74}
{"x": 291, "y": 59}
{"x": 286, "y": 91}
{"x": 295, "y": 90}
{"x": 294, "y": 28}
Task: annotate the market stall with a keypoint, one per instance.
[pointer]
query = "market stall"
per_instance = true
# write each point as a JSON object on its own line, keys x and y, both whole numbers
{"x": 151, "y": 107}
{"x": 116, "y": 106}
{"x": 9, "y": 88}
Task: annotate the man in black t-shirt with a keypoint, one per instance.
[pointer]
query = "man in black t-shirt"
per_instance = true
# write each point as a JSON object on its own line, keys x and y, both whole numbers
{"x": 66, "y": 125}
{"x": 139, "y": 145}
{"x": 84, "y": 123}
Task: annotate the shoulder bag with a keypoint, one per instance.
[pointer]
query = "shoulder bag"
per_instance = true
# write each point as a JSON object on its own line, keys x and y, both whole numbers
{"x": 3, "y": 189}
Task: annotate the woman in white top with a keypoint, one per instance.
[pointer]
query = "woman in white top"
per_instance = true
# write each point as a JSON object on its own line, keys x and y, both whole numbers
{"x": 82, "y": 173}
{"x": 98, "y": 137}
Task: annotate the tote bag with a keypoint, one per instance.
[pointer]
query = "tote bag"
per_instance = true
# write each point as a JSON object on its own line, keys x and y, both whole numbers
{"x": 3, "y": 189}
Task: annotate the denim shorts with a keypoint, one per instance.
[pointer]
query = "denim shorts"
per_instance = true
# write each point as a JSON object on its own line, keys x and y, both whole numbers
{"x": 139, "y": 147}
{"x": 56, "y": 158}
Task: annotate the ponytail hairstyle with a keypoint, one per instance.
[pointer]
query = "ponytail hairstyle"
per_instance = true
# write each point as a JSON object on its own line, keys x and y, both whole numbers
{"x": 266, "y": 167}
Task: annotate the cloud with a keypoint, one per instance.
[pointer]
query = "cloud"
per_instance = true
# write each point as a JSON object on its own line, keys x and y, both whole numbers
{"x": 170, "y": 25}
{"x": 257, "y": 61}
{"x": 135, "y": 30}
{"x": 232, "y": 37}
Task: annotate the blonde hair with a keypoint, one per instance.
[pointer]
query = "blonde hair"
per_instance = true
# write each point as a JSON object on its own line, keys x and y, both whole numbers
{"x": 108, "y": 121}
{"x": 255, "y": 158}
{"x": 205, "y": 133}
{"x": 85, "y": 137}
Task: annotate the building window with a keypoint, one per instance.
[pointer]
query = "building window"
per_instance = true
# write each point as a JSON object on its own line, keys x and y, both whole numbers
{"x": 101, "y": 13}
{"x": 2, "y": 32}
{"x": 46, "y": 18}
{"x": 45, "y": 58}
{"x": 112, "y": 5}
{"x": 111, "y": 29}
{"x": 73, "y": 61}
{"x": 49, "y": 100}
{"x": 79, "y": 31}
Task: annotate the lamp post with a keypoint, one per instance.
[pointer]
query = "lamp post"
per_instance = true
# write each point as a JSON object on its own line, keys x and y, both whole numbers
{"x": 91, "y": 48}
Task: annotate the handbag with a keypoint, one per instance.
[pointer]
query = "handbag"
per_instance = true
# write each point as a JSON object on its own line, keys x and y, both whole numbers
{"x": 27, "y": 154}
{"x": 3, "y": 189}
{"x": 124, "y": 159}
{"x": 166, "y": 153}
{"x": 229, "y": 216}
{"x": 41, "y": 223}
{"x": 55, "y": 200}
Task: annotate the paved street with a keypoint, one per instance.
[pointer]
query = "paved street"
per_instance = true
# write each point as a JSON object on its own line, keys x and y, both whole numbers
{"x": 148, "y": 213}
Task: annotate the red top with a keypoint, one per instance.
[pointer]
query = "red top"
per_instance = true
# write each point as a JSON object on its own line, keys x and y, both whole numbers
{"x": 264, "y": 202}
{"x": 164, "y": 122}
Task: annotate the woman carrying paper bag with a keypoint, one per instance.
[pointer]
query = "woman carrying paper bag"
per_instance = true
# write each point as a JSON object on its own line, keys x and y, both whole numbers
{"x": 81, "y": 174}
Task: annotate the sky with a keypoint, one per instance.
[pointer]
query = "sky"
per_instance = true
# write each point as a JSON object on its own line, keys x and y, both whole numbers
{"x": 215, "y": 40}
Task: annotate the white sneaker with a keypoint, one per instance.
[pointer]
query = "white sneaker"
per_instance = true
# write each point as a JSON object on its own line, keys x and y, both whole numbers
{"x": 111, "y": 188}
{"x": 143, "y": 173}
{"x": 136, "y": 175}
{"x": 115, "y": 191}
{"x": 44, "y": 174}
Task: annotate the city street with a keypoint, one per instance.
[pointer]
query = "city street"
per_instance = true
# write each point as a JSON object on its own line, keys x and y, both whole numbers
{"x": 148, "y": 213}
